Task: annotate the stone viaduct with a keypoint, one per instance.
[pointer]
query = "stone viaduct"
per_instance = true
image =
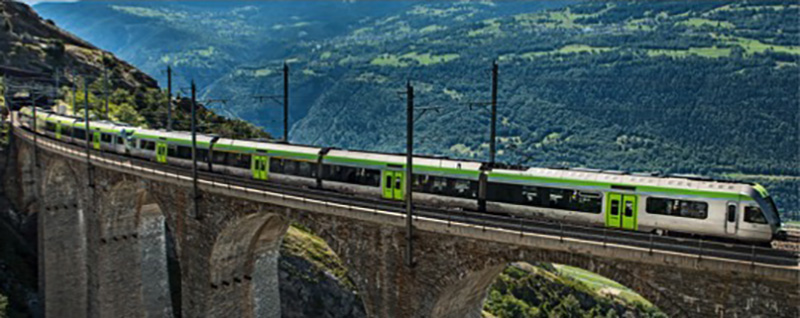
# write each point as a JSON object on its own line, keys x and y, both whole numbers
{"x": 125, "y": 241}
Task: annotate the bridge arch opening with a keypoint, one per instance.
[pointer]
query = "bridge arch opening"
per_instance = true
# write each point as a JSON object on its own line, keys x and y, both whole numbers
{"x": 244, "y": 267}
{"x": 531, "y": 289}
{"x": 512, "y": 286}
{"x": 315, "y": 280}
{"x": 134, "y": 272}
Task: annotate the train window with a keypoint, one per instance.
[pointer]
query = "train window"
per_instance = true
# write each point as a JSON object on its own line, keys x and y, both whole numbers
{"x": 147, "y": 144}
{"x": 120, "y": 141}
{"x": 398, "y": 183}
{"x": 106, "y": 138}
{"x": 681, "y": 208}
{"x": 183, "y": 152}
{"x": 219, "y": 157}
{"x": 293, "y": 167}
{"x": 731, "y": 213}
{"x": 239, "y": 160}
{"x": 388, "y": 182}
{"x": 445, "y": 186}
{"x": 202, "y": 155}
{"x": 50, "y": 126}
{"x": 628, "y": 209}
{"x": 614, "y": 207}
{"x": 362, "y": 176}
{"x": 80, "y": 133}
{"x": 753, "y": 214}
{"x": 565, "y": 199}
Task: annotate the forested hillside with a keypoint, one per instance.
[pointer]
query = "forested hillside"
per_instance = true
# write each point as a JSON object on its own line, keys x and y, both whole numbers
{"x": 703, "y": 87}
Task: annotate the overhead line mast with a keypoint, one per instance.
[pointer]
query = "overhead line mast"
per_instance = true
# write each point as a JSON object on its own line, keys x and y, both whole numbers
{"x": 409, "y": 173}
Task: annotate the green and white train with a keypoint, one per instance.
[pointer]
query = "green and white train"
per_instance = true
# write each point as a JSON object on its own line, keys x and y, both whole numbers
{"x": 634, "y": 202}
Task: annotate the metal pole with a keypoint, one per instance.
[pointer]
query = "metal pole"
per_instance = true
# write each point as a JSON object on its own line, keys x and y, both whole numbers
{"x": 285, "y": 102}
{"x": 55, "y": 89}
{"x": 105, "y": 82}
{"x": 6, "y": 83}
{"x": 35, "y": 132}
{"x": 493, "y": 134}
{"x": 5, "y": 104}
{"x": 169, "y": 98}
{"x": 74, "y": 92}
{"x": 88, "y": 131}
{"x": 194, "y": 151}
{"x": 409, "y": 172}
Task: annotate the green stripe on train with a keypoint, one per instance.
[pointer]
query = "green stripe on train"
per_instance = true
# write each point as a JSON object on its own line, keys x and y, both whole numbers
{"x": 417, "y": 168}
{"x": 267, "y": 152}
{"x": 639, "y": 188}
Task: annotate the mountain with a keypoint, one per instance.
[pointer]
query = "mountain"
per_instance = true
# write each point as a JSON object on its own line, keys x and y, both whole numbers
{"x": 215, "y": 43}
{"x": 705, "y": 88}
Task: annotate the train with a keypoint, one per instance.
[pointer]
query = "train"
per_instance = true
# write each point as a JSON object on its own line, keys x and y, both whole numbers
{"x": 662, "y": 204}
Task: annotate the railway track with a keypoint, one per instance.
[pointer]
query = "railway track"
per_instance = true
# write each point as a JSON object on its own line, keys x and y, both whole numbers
{"x": 784, "y": 254}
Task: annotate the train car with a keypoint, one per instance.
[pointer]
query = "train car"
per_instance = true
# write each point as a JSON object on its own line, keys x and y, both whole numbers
{"x": 170, "y": 147}
{"x": 26, "y": 118}
{"x": 103, "y": 135}
{"x": 637, "y": 203}
{"x": 443, "y": 182}
{"x": 290, "y": 164}
{"x": 59, "y": 127}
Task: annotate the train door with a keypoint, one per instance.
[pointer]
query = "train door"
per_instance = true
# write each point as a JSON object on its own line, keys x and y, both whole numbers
{"x": 613, "y": 218}
{"x": 387, "y": 184}
{"x": 399, "y": 185}
{"x": 622, "y": 211}
{"x": 731, "y": 217}
{"x": 96, "y": 140}
{"x": 58, "y": 130}
{"x": 161, "y": 152}
{"x": 260, "y": 167}
{"x": 393, "y": 185}
{"x": 629, "y": 212}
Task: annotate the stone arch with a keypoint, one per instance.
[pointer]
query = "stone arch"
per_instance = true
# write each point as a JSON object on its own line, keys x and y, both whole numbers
{"x": 132, "y": 271}
{"x": 63, "y": 247}
{"x": 463, "y": 289}
{"x": 244, "y": 267}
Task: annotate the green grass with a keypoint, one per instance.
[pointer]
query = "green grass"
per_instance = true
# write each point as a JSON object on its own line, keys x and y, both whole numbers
{"x": 491, "y": 27}
{"x": 709, "y": 52}
{"x": 432, "y": 28}
{"x": 602, "y": 285}
{"x": 752, "y": 46}
{"x": 404, "y": 60}
{"x": 700, "y": 22}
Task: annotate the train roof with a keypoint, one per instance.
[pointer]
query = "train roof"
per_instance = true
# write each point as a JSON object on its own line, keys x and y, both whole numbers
{"x": 269, "y": 148}
{"x": 428, "y": 165}
{"x": 175, "y": 137}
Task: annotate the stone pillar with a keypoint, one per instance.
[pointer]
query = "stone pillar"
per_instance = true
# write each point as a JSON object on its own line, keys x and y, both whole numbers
{"x": 155, "y": 290}
{"x": 64, "y": 261}
{"x": 266, "y": 291}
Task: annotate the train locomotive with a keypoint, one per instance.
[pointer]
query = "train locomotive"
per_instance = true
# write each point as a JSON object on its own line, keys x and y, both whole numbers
{"x": 629, "y": 202}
